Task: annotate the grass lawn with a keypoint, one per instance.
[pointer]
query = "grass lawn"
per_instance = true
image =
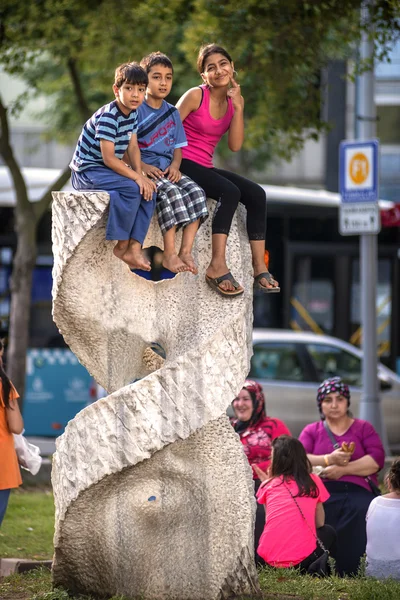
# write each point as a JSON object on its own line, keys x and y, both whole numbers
{"x": 28, "y": 527}
{"x": 27, "y": 532}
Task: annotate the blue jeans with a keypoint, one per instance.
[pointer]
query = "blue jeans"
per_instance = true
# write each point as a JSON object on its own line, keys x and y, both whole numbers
{"x": 4, "y": 496}
{"x": 129, "y": 214}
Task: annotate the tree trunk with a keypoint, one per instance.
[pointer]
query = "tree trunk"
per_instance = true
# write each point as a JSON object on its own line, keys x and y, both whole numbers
{"x": 21, "y": 290}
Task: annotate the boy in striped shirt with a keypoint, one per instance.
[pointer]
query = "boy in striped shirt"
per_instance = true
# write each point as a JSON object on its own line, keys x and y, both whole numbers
{"x": 97, "y": 165}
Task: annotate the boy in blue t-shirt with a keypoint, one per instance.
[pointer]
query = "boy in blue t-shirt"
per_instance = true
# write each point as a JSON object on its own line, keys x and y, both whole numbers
{"x": 97, "y": 165}
{"x": 180, "y": 201}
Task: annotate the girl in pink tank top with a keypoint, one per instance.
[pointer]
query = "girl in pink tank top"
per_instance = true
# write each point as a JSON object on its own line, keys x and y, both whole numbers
{"x": 208, "y": 112}
{"x": 203, "y": 132}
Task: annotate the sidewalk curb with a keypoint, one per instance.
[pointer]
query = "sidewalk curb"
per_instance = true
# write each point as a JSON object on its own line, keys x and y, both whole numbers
{"x": 9, "y": 566}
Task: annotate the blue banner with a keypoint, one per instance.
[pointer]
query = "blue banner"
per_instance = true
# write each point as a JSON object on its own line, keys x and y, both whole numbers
{"x": 57, "y": 387}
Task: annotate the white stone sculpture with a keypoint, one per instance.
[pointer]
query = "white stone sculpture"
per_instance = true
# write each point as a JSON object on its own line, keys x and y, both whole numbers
{"x": 154, "y": 495}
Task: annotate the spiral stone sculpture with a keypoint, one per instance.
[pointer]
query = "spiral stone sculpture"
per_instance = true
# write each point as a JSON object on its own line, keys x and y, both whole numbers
{"x": 154, "y": 495}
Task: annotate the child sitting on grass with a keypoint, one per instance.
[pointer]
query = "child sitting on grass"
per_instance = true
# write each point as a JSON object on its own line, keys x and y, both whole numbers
{"x": 97, "y": 165}
{"x": 180, "y": 201}
{"x": 295, "y": 529}
{"x": 383, "y": 526}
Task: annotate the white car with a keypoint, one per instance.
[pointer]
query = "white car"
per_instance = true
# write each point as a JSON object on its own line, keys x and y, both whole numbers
{"x": 290, "y": 365}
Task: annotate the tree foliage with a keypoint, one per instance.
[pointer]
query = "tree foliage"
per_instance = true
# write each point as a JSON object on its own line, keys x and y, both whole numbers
{"x": 68, "y": 49}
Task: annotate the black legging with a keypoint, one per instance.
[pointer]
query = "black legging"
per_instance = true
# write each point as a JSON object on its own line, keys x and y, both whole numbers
{"x": 229, "y": 189}
{"x": 327, "y": 535}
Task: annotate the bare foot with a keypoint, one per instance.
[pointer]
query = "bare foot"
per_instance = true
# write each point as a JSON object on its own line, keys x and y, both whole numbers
{"x": 173, "y": 263}
{"x": 187, "y": 258}
{"x": 120, "y": 248}
{"x": 224, "y": 285}
{"x": 136, "y": 260}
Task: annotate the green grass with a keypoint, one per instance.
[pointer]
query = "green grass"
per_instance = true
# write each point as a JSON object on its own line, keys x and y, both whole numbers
{"x": 27, "y": 532}
{"x": 28, "y": 527}
{"x": 275, "y": 585}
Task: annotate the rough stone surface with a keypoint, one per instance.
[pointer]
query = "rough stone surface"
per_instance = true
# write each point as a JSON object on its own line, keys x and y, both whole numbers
{"x": 165, "y": 436}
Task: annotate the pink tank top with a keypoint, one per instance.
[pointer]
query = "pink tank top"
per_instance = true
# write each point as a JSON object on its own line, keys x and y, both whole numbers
{"x": 203, "y": 132}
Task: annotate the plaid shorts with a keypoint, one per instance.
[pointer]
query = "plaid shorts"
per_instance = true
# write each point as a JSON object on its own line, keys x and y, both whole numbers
{"x": 179, "y": 204}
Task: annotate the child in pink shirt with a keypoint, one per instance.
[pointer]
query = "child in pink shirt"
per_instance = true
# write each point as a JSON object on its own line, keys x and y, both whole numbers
{"x": 295, "y": 517}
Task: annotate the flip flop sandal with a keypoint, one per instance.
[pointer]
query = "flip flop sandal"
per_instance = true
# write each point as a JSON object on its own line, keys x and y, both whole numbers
{"x": 214, "y": 284}
{"x": 258, "y": 286}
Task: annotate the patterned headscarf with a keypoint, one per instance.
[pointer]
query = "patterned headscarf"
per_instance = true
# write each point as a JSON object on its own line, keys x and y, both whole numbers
{"x": 257, "y": 395}
{"x": 330, "y": 386}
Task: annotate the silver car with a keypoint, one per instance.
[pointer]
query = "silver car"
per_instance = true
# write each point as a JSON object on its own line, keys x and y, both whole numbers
{"x": 290, "y": 365}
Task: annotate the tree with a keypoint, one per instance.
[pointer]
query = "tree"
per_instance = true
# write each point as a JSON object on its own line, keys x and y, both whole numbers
{"x": 52, "y": 45}
{"x": 279, "y": 49}
{"x": 67, "y": 50}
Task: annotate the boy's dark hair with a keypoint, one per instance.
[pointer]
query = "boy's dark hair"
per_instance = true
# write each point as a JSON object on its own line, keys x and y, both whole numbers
{"x": 394, "y": 475}
{"x": 206, "y": 51}
{"x": 290, "y": 461}
{"x": 156, "y": 58}
{"x": 130, "y": 73}
{"x": 6, "y": 384}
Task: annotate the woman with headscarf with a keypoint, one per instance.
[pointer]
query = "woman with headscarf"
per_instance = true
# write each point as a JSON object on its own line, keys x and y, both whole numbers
{"x": 351, "y": 453}
{"x": 257, "y": 432}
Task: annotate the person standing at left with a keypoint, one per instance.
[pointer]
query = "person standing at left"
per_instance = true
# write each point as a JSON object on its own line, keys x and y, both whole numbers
{"x": 10, "y": 422}
{"x": 97, "y": 165}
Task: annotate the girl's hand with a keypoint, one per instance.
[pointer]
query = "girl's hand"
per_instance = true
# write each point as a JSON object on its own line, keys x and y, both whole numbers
{"x": 235, "y": 94}
{"x": 262, "y": 475}
{"x": 339, "y": 457}
{"x": 173, "y": 174}
{"x": 151, "y": 171}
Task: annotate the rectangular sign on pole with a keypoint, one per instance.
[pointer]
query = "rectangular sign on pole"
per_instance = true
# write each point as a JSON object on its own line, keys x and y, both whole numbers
{"x": 358, "y": 171}
{"x": 358, "y": 186}
{"x": 359, "y": 218}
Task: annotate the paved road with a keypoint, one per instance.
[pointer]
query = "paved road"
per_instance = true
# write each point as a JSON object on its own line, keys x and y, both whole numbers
{"x": 47, "y": 445}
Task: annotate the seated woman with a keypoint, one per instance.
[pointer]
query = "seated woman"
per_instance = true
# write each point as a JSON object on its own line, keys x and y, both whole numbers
{"x": 257, "y": 432}
{"x": 351, "y": 453}
{"x": 293, "y": 498}
{"x": 383, "y": 527}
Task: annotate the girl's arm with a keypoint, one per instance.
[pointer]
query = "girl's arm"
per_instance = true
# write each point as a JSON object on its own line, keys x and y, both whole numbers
{"x": 236, "y": 129}
{"x": 319, "y": 515}
{"x": 189, "y": 102}
{"x": 14, "y": 418}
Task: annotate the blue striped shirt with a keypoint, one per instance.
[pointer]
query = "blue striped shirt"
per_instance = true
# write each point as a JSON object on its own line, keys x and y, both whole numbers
{"x": 107, "y": 123}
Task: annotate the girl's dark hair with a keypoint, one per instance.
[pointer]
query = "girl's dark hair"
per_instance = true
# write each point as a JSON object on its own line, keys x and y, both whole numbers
{"x": 394, "y": 474}
{"x": 130, "y": 73}
{"x": 206, "y": 51}
{"x": 290, "y": 461}
{"x": 6, "y": 383}
{"x": 156, "y": 58}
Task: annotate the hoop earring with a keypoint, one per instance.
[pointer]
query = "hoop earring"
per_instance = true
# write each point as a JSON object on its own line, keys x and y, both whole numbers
{"x": 235, "y": 72}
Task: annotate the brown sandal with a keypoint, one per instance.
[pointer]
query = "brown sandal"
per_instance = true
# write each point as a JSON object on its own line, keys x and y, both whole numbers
{"x": 266, "y": 275}
{"x": 214, "y": 284}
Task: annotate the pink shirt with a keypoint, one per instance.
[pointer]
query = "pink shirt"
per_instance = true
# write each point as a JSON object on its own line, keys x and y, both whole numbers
{"x": 203, "y": 132}
{"x": 287, "y": 538}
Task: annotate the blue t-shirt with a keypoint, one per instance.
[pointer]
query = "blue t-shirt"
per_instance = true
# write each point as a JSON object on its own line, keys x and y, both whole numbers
{"x": 107, "y": 123}
{"x": 160, "y": 131}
